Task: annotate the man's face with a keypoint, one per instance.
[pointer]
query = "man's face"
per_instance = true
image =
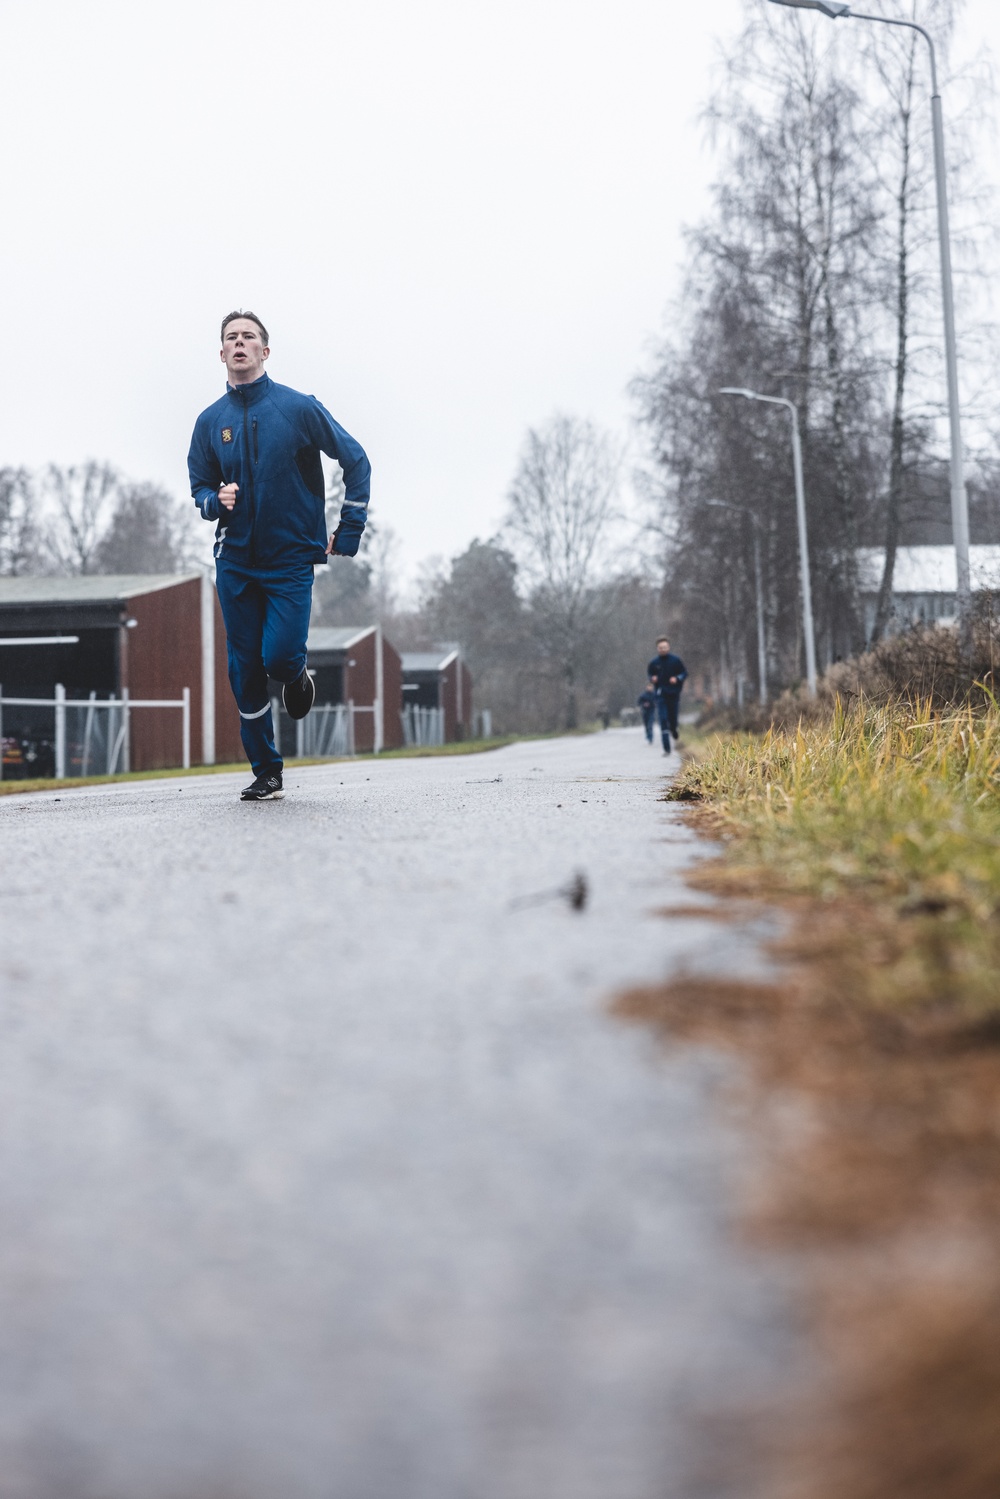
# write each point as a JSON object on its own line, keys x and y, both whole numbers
{"x": 243, "y": 351}
{"x": 663, "y": 646}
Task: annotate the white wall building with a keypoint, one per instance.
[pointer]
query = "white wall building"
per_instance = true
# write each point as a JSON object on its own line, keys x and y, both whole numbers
{"x": 924, "y": 585}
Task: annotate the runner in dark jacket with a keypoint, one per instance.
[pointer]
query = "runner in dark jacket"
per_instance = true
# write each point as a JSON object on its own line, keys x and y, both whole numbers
{"x": 255, "y": 470}
{"x": 667, "y": 675}
{"x": 647, "y": 702}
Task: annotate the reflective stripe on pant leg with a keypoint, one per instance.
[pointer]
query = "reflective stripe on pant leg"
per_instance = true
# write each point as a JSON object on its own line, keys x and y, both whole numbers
{"x": 242, "y": 604}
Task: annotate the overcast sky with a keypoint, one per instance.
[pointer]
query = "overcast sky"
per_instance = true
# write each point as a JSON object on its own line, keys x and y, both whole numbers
{"x": 455, "y": 217}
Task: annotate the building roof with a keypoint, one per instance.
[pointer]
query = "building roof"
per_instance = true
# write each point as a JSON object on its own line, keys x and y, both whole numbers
{"x": 928, "y": 569}
{"x": 337, "y": 637}
{"x": 429, "y": 660}
{"x": 93, "y": 588}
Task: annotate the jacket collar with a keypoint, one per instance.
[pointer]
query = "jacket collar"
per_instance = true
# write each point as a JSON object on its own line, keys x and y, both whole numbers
{"x": 249, "y": 395}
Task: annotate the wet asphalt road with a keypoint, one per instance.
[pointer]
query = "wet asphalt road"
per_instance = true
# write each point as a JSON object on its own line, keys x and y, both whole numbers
{"x": 324, "y": 1173}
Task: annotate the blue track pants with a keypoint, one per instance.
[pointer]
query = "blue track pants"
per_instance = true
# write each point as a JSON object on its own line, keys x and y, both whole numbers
{"x": 667, "y": 704}
{"x": 266, "y": 613}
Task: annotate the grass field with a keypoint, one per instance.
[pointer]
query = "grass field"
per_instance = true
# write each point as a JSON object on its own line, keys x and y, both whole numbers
{"x": 417, "y": 752}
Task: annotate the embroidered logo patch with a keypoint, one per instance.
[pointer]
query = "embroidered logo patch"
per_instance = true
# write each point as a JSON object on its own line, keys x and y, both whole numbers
{"x": 227, "y": 434}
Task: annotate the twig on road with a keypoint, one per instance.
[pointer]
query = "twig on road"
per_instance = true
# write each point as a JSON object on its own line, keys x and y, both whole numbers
{"x": 575, "y": 893}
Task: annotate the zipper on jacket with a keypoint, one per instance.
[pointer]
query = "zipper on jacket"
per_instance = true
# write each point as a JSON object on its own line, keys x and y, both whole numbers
{"x": 252, "y": 506}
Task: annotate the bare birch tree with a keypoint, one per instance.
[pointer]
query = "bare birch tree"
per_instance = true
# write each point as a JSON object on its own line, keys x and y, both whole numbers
{"x": 778, "y": 298}
{"x": 147, "y": 532}
{"x": 560, "y": 508}
{"x": 77, "y": 503}
{"x": 903, "y": 159}
{"x": 19, "y": 531}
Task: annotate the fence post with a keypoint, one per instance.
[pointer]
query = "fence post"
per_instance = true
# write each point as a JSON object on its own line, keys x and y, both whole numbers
{"x": 88, "y": 730}
{"x": 378, "y": 726}
{"x": 300, "y": 738}
{"x": 186, "y": 731}
{"x": 111, "y": 759}
{"x": 350, "y": 726}
{"x": 60, "y": 732}
{"x": 207, "y": 671}
{"x": 126, "y": 734}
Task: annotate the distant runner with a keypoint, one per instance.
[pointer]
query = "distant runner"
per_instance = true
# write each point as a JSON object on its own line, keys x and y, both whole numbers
{"x": 255, "y": 469}
{"x": 667, "y": 675}
{"x": 647, "y": 704}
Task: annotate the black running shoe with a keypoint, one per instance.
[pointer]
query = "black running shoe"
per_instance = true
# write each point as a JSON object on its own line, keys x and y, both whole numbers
{"x": 266, "y": 788}
{"x": 299, "y": 696}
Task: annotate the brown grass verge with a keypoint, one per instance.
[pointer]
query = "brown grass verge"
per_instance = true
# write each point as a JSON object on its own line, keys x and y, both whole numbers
{"x": 882, "y": 1172}
{"x": 924, "y": 664}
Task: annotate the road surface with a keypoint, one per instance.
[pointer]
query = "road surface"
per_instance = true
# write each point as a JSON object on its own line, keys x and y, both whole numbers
{"x": 324, "y": 1171}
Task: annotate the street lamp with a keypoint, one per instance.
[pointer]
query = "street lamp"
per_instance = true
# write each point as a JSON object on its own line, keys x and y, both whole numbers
{"x": 800, "y": 508}
{"x": 959, "y": 497}
{"x": 761, "y": 639}
{"x": 828, "y": 7}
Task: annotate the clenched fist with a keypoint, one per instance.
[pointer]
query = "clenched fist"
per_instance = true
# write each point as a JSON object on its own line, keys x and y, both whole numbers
{"x": 227, "y": 495}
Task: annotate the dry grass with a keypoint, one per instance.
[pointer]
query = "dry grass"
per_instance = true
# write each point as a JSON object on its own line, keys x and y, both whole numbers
{"x": 896, "y": 808}
{"x": 923, "y": 665}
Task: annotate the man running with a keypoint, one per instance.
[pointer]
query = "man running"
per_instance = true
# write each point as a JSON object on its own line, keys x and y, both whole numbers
{"x": 647, "y": 706}
{"x": 255, "y": 469}
{"x": 667, "y": 675}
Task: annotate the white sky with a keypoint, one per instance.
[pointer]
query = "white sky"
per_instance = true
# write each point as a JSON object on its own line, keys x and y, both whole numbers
{"x": 455, "y": 217}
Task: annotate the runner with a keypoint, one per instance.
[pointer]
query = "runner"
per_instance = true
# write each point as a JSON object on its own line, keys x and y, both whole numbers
{"x": 647, "y": 705}
{"x": 667, "y": 675}
{"x": 255, "y": 469}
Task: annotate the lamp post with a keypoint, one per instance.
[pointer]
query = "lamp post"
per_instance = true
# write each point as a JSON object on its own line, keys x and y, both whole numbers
{"x": 761, "y": 638}
{"x": 959, "y": 496}
{"x": 800, "y": 510}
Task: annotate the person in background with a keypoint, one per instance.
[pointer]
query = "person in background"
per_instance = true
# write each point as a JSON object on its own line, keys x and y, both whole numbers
{"x": 647, "y": 703}
{"x": 667, "y": 675}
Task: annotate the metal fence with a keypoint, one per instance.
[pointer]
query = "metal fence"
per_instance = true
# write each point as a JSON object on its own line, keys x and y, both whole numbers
{"x": 91, "y": 736}
{"x": 422, "y": 725}
{"x": 328, "y": 731}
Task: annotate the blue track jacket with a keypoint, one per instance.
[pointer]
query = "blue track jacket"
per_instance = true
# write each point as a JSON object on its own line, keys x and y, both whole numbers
{"x": 662, "y": 668}
{"x": 267, "y": 438}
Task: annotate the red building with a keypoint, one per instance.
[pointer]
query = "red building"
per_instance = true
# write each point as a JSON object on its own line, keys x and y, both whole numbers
{"x": 158, "y": 638}
{"x": 151, "y": 636}
{"x": 356, "y": 669}
{"x": 440, "y": 679}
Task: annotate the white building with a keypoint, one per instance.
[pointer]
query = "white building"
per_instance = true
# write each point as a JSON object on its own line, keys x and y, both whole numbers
{"x": 924, "y": 586}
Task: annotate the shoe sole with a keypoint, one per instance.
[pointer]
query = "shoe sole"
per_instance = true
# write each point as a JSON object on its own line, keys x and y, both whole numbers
{"x": 271, "y": 796}
{"x": 295, "y": 717}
